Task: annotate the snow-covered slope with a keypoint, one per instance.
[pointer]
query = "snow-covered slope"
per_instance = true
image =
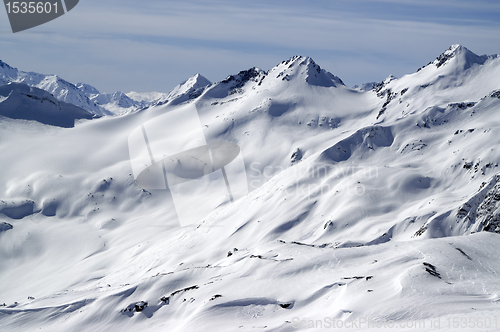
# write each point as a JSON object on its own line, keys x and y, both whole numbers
{"x": 183, "y": 92}
{"x": 116, "y": 103}
{"x": 7, "y": 73}
{"x": 19, "y": 101}
{"x": 457, "y": 75}
{"x": 366, "y": 86}
{"x": 81, "y": 95}
{"x": 59, "y": 88}
{"x": 146, "y": 97}
{"x": 364, "y": 206}
{"x": 88, "y": 89}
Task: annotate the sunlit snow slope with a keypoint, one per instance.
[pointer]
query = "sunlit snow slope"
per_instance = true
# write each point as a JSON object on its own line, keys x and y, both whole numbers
{"x": 375, "y": 206}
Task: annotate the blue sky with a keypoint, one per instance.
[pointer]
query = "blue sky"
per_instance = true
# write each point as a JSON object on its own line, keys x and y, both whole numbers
{"x": 154, "y": 45}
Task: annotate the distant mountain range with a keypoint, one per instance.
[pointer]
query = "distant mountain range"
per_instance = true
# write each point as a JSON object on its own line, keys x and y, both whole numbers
{"x": 90, "y": 99}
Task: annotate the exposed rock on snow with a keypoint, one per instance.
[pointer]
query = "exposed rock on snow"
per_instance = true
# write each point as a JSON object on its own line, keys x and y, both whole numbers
{"x": 5, "y": 227}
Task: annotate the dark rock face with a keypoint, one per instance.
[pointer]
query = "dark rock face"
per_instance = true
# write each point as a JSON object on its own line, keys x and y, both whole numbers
{"x": 5, "y": 227}
{"x": 296, "y": 156}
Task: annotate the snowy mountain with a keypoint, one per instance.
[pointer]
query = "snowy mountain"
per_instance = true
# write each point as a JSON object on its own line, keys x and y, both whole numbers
{"x": 183, "y": 92}
{"x": 19, "y": 101}
{"x": 366, "y": 86}
{"x": 146, "y": 97}
{"x": 7, "y": 73}
{"x": 88, "y": 89}
{"x": 81, "y": 95}
{"x": 367, "y": 207}
{"x": 116, "y": 103}
{"x": 59, "y": 88}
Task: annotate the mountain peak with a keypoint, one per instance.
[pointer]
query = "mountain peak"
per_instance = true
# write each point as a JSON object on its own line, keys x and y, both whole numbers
{"x": 243, "y": 76}
{"x": 5, "y": 65}
{"x": 462, "y": 56}
{"x": 297, "y": 60}
{"x": 187, "y": 90}
{"x": 7, "y": 73}
{"x": 196, "y": 81}
{"x": 305, "y": 67}
{"x": 451, "y": 52}
{"x": 302, "y": 60}
{"x": 116, "y": 102}
{"x": 87, "y": 89}
{"x": 457, "y": 47}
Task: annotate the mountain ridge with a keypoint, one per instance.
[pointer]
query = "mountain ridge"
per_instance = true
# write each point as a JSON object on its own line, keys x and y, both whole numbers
{"x": 348, "y": 206}
{"x": 20, "y": 101}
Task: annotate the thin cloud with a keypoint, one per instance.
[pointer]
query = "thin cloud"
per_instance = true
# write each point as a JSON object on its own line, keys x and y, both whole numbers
{"x": 124, "y": 45}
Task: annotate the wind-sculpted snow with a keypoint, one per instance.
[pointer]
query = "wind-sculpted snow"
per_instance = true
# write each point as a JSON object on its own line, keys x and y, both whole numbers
{"x": 365, "y": 207}
{"x": 361, "y": 142}
{"x": 17, "y": 210}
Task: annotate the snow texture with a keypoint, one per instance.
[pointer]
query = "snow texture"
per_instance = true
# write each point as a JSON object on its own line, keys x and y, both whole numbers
{"x": 379, "y": 204}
